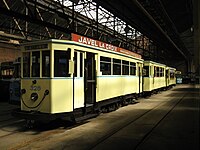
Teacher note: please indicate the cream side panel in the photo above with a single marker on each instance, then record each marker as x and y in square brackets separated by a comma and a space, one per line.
[109, 87]
[159, 82]
[168, 81]
[151, 81]
[56, 46]
[130, 85]
[28, 104]
[147, 85]
[172, 81]
[62, 100]
[79, 93]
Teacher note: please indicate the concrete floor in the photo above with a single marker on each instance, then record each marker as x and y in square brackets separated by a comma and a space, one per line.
[167, 121]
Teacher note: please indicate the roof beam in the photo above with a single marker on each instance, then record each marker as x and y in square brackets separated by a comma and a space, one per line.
[32, 20]
[16, 22]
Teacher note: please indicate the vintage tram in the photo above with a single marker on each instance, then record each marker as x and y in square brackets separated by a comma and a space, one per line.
[14, 86]
[170, 77]
[60, 77]
[154, 77]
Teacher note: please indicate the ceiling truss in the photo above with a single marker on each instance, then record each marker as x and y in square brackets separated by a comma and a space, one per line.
[27, 20]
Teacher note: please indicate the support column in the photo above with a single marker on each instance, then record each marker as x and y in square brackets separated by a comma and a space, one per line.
[196, 20]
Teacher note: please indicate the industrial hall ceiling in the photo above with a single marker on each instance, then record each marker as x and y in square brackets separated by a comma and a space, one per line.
[160, 30]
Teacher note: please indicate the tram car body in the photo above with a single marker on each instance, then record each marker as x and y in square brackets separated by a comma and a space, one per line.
[179, 78]
[170, 77]
[154, 77]
[60, 76]
[14, 90]
[6, 73]
[15, 82]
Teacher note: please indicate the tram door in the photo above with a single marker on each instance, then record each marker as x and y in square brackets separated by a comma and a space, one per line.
[90, 79]
[167, 77]
[140, 77]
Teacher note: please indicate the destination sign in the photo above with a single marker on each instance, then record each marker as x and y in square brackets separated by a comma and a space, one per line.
[34, 47]
[96, 43]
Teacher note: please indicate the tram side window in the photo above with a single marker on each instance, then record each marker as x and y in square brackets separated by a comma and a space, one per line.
[163, 72]
[150, 71]
[36, 64]
[26, 64]
[61, 63]
[172, 74]
[116, 67]
[166, 73]
[125, 67]
[132, 68]
[146, 71]
[105, 65]
[46, 63]
[160, 71]
[157, 71]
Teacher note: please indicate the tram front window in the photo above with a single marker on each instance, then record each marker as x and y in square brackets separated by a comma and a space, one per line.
[46, 64]
[26, 64]
[172, 74]
[36, 64]
[61, 63]
[146, 71]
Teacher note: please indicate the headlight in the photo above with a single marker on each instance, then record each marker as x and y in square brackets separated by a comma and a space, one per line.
[23, 91]
[46, 92]
[34, 96]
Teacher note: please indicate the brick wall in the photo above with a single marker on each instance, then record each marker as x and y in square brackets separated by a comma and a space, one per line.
[9, 52]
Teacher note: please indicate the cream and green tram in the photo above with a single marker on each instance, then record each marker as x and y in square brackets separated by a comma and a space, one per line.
[154, 77]
[60, 77]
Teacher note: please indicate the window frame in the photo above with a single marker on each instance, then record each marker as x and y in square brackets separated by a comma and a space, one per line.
[125, 67]
[107, 61]
[116, 64]
[63, 61]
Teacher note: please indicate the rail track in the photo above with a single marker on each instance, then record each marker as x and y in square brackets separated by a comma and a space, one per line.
[147, 134]
[93, 134]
